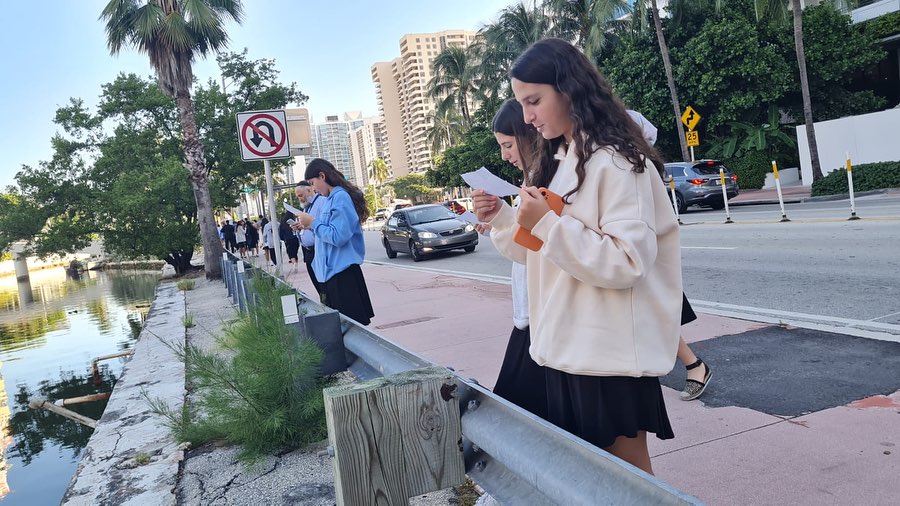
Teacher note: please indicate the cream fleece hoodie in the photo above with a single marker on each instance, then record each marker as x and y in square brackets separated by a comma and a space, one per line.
[604, 292]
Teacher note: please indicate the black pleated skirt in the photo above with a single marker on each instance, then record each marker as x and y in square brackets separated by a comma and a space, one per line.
[599, 409]
[346, 291]
[687, 312]
[521, 380]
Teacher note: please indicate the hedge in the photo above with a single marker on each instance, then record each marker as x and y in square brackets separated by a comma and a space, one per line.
[884, 26]
[751, 169]
[866, 177]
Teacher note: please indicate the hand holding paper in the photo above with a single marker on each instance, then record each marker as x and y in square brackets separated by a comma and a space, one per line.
[292, 209]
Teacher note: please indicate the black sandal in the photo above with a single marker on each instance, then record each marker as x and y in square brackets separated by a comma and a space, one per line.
[694, 388]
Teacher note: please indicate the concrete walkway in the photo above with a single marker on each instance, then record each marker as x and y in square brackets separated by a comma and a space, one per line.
[745, 450]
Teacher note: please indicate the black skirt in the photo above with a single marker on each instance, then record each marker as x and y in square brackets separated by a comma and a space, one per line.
[687, 312]
[599, 409]
[521, 380]
[346, 291]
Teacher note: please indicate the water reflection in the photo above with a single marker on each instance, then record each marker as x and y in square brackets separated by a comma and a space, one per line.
[46, 347]
[34, 429]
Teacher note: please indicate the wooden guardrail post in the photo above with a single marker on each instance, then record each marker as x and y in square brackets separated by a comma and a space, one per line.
[395, 437]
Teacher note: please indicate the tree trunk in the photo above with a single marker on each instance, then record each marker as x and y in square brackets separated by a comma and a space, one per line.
[667, 64]
[195, 162]
[180, 260]
[804, 91]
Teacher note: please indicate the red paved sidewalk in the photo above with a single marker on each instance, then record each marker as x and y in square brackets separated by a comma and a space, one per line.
[730, 455]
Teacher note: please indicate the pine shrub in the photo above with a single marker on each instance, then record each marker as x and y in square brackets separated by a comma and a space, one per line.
[262, 391]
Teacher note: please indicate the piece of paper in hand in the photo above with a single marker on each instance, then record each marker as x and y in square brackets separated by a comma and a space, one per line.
[482, 179]
[469, 217]
[291, 209]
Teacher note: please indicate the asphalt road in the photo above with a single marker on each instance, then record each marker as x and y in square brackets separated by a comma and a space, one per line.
[818, 264]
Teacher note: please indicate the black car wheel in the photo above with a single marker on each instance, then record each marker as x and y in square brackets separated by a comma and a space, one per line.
[679, 203]
[469, 249]
[417, 255]
[388, 249]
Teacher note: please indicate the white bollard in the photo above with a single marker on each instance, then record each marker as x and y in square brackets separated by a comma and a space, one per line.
[674, 200]
[778, 188]
[853, 215]
[724, 195]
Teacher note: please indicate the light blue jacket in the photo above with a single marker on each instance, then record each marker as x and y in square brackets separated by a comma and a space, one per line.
[339, 238]
[307, 238]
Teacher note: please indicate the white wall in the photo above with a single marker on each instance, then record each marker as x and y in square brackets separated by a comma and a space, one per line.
[874, 10]
[868, 138]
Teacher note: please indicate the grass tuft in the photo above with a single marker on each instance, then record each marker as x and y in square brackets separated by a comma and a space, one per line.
[185, 285]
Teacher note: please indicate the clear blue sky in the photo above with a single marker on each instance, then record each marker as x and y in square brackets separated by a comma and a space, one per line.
[326, 47]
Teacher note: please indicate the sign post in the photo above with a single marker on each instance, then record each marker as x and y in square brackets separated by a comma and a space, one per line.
[263, 136]
[690, 118]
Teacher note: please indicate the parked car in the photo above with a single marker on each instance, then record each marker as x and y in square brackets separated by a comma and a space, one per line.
[423, 229]
[467, 203]
[698, 183]
[454, 206]
[381, 214]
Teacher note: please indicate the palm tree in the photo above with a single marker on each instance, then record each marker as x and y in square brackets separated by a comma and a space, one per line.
[172, 33]
[586, 23]
[447, 128]
[500, 43]
[667, 65]
[380, 173]
[804, 91]
[453, 82]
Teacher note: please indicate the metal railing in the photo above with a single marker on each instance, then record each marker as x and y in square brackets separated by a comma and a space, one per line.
[514, 455]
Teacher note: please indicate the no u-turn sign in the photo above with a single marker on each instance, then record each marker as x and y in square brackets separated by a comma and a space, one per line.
[263, 135]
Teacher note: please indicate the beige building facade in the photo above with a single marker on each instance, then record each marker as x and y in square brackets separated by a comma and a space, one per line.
[403, 99]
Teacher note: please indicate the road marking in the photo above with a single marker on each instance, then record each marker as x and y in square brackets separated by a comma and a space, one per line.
[708, 247]
[503, 280]
[858, 328]
[885, 316]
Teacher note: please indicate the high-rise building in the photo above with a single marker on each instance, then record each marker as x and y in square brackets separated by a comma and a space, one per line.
[331, 141]
[366, 144]
[403, 99]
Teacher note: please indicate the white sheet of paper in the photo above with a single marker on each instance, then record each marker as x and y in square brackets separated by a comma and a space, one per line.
[483, 179]
[469, 217]
[292, 209]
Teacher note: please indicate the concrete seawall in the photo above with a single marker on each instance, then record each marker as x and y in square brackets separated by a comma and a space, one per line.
[131, 458]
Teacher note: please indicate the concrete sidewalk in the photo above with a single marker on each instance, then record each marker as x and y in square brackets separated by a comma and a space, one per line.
[791, 416]
[791, 195]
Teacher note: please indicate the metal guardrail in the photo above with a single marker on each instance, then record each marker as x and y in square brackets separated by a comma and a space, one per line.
[514, 455]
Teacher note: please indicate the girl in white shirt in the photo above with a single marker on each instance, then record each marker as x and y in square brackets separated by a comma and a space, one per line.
[603, 288]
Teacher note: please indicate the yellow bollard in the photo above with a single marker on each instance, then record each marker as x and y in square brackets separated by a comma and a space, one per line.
[853, 215]
[778, 187]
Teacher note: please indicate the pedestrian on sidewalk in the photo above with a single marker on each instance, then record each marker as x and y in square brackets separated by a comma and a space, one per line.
[340, 248]
[313, 203]
[269, 242]
[601, 287]
[697, 377]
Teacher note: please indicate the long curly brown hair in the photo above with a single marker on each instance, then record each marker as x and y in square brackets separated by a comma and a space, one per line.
[334, 177]
[598, 116]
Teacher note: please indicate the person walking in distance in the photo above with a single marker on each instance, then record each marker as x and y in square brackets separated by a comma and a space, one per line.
[602, 284]
[340, 248]
[312, 203]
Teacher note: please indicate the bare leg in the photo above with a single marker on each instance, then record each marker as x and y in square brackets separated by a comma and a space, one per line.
[687, 357]
[633, 450]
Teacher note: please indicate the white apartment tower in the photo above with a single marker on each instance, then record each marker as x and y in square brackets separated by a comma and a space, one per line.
[366, 144]
[403, 99]
[331, 141]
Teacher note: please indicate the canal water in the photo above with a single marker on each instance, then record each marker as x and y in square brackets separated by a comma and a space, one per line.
[50, 330]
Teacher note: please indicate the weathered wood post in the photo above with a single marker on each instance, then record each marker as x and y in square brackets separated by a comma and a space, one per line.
[395, 437]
